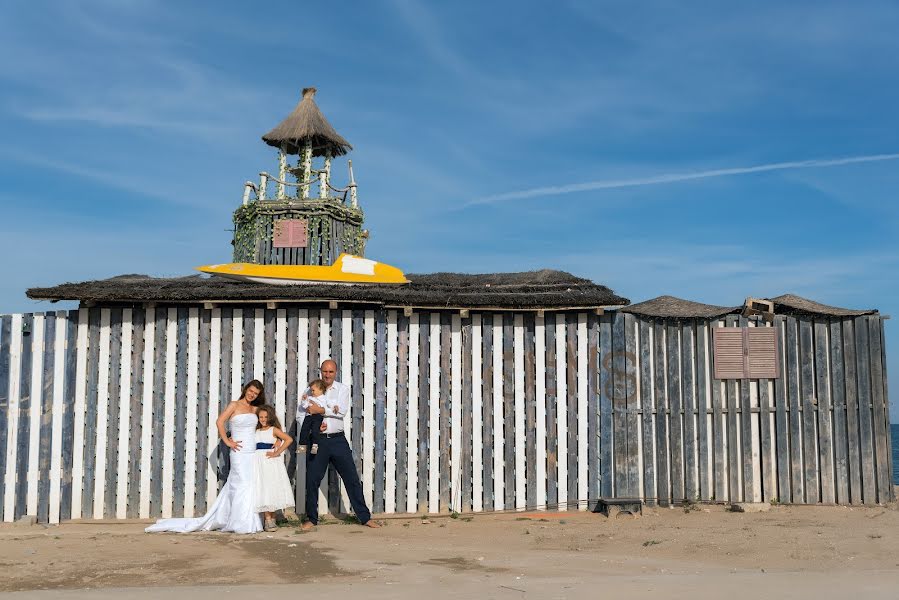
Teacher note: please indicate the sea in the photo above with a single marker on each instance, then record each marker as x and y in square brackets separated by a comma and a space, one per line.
[894, 435]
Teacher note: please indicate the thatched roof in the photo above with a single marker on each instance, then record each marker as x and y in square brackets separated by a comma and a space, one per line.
[304, 123]
[793, 304]
[672, 307]
[536, 290]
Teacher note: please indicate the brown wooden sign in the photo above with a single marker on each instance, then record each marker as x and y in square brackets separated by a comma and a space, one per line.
[289, 233]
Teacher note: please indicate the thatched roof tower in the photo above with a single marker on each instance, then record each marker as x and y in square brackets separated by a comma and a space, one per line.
[307, 125]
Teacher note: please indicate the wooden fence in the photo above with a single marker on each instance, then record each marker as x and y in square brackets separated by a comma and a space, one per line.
[109, 412]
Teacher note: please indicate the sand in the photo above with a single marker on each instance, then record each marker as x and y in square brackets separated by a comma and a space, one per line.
[706, 551]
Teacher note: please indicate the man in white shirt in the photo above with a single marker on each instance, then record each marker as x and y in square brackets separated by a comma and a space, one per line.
[333, 447]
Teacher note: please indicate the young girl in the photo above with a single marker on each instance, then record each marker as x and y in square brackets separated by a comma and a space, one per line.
[273, 491]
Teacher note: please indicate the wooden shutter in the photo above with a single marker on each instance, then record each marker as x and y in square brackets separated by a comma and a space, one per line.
[728, 352]
[761, 361]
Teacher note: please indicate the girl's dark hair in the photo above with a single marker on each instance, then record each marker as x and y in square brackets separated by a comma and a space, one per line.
[260, 399]
[272, 416]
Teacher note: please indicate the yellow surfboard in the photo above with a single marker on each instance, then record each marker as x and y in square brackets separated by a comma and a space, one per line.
[347, 269]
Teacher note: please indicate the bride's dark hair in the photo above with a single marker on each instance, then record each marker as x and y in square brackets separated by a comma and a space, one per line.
[260, 399]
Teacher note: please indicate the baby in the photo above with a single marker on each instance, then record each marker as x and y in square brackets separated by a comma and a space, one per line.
[313, 424]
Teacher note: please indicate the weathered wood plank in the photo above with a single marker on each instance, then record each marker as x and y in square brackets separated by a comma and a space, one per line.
[853, 426]
[146, 410]
[809, 410]
[838, 389]
[562, 407]
[628, 376]
[880, 410]
[866, 439]
[68, 421]
[766, 435]
[781, 421]
[492, 413]
[703, 408]
[114, 405]
[745, 425]
[825, 417]
[226, 394]
[607, 418]
[292, 391]
[646, 406]
[23, 421]
[582, 402]
[369, 400]
[795, 404]
[334, 319]
[530, 409]
[390, 422]
[380, 409]
[180, 414]
[594, 457]
[5, 403]
[446, 411]
[192, 420]
[675, 413]
[249, 346]
[424, 395]
[507, 344]
[455, 410]
[571, 365]
[414, 412]
[891, 489]
[437, 373]
[357, 389]
[661, 400]
[734, 470]
[688, 387]
[551, 427]
[402, 410]
[135, 424]
[204, 416]
[477, 411]
[467, 423]
[90, 417]
[58, 423]
[45, 422]
[158, 433]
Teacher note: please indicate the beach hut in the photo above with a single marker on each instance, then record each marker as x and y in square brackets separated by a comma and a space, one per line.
[471, 393]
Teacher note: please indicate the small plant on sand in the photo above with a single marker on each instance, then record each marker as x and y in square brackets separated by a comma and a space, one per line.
[454, 515]
[651, 543]
[350, 520]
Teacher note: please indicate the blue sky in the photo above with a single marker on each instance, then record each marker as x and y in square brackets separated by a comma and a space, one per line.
[618, 141]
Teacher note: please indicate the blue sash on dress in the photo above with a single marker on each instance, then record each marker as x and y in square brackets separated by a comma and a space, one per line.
[264, 446]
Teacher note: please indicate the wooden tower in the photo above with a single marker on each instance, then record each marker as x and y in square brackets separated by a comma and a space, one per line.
[291, 226]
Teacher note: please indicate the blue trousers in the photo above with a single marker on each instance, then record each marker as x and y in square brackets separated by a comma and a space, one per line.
[334, 451]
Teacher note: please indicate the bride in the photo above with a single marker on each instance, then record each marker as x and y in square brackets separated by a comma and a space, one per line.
[235, 508]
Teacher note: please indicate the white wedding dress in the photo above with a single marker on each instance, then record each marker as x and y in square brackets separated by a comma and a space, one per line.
[235, 508]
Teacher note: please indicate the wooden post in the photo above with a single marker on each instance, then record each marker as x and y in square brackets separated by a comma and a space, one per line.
[282, 173]
[354, 200]
[306, 162]
[324, 176]
[247, 188]
[263, 182]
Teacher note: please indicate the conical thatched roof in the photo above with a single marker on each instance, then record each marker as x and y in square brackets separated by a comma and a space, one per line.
[304, 123]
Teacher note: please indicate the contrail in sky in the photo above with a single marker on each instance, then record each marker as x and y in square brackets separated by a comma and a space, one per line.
[612, 184]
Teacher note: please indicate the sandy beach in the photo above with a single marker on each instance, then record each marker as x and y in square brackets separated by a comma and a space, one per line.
[697, 552]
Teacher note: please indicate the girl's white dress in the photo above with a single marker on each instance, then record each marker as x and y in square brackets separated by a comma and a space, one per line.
[235, 507]
[273, 490]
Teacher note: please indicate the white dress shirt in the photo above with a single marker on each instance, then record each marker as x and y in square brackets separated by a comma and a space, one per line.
[335, 401]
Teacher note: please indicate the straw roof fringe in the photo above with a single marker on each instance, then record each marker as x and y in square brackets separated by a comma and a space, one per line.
[793, 304]
[672, 307]
[537, 290]
[307, 122]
